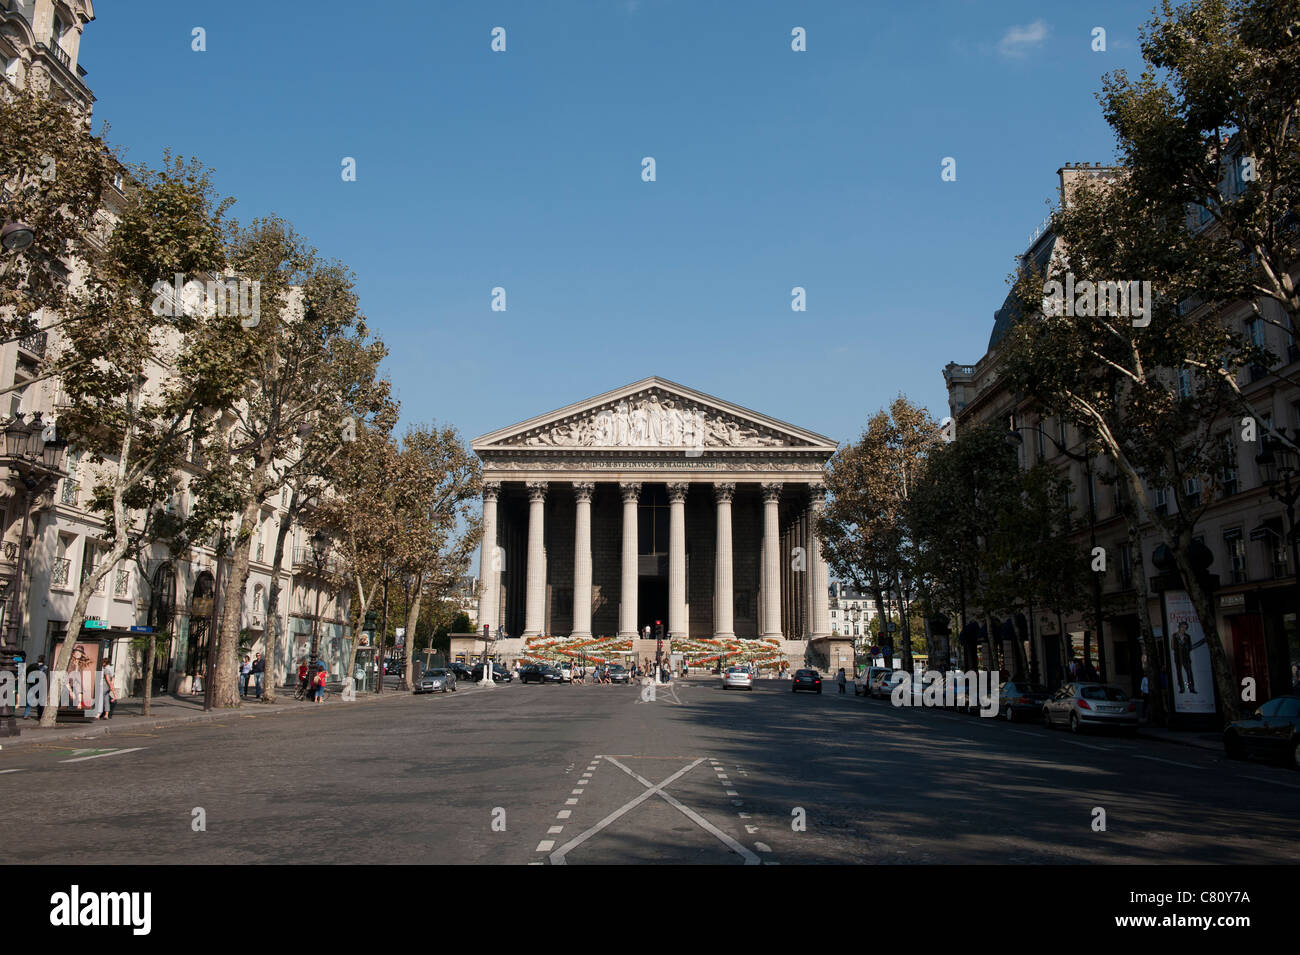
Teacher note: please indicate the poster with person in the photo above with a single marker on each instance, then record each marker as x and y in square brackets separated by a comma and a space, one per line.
[1191, 674]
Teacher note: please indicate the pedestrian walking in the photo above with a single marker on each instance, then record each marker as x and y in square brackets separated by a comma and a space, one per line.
[108, 691]
[302, 676]
[259, 670]
[245, 670]
[1146, 695]
[840, 680]
[320, 683]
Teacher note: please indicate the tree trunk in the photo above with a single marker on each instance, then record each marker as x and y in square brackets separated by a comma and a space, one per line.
[273, 602]
[149, 648]
[364, 600]
[412, 618]
[225, 681]
[1149, 649]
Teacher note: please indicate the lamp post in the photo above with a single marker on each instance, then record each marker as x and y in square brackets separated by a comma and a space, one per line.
[320, 548]
[1015, 439]
[37, 462]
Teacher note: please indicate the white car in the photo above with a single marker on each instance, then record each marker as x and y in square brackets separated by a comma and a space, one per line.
[566, 672]
[738, 677]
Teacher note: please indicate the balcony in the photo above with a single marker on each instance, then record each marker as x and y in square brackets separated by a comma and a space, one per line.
[304, 559]
[69, 493]
[60, 54]
[34, 343]
[59, 572]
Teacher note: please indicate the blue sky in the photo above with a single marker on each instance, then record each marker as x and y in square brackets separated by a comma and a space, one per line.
[522, 169]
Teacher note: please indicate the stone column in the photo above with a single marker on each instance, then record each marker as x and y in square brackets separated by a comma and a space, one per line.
[723, 596]
[582, 561]
[627, 622]
[819, 609]
[489, 560]
[677, 622]
[771, 560]
[535, 608]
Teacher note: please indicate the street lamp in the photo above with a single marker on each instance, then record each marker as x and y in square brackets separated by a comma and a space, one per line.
[37, 463]
[17, 236]
[1015, 439]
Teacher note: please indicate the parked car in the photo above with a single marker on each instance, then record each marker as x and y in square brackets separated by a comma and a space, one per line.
[806, 680]
[460, 671]
[566, 671]
[1019, 698]
[499, 673]
[1272, 731]
[540, 673]
[881, 683]
[862, 685]
[618, 673]
[738, 677]
[436, 680]
[1080, 705]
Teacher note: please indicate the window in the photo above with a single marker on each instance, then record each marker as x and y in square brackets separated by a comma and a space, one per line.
[1161, 500]
[1184, 382]
[1040, 441]
[1235, 545]
[1228, 473]
[1192, 491]
[1125, 566]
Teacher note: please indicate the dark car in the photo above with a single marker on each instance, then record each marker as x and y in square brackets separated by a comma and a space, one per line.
[499, 673]
[617, 673]
[1019, 698]
[806, 680]
[539, 673]
[436, 680]
[1272, 731]
[460, 671]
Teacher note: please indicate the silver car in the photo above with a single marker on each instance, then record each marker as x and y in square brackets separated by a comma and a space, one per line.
[1083, 705]
[436, 681]
[737, 677]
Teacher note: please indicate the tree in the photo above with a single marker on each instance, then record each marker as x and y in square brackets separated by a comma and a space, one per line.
[137, 427]
[53, 174]
[310, 376]
[438, 478]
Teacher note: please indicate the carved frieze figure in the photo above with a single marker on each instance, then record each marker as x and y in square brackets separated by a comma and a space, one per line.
[621, 425]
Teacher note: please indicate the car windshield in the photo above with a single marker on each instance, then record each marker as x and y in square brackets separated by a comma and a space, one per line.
[430, 674]
[616, 668]
[806, 673]
[1112, 694]
[1026, 688]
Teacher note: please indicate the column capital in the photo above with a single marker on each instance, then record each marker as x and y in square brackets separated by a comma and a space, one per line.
[537, 490]
[772, 492]
[583, 490]
[677, 492]
[491, 490]
[817, 493]
[724, 491]
[631, 491]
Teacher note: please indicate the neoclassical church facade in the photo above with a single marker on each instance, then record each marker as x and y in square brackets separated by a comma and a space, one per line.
[654, 504]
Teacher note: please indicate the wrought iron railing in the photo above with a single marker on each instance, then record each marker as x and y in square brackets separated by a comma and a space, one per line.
[69, 495]
[60, 571]
[60, 54]
[122, 583]
[35, 343]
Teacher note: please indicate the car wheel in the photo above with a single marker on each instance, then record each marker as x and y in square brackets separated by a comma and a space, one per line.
[1047, 717]
[793, 690]
[1074, 722]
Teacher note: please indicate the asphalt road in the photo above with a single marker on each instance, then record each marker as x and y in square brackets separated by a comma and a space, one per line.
[583, 774]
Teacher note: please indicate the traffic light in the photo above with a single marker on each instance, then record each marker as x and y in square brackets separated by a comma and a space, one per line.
[659, 629]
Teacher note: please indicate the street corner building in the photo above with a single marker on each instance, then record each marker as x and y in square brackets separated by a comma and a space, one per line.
[656, 505]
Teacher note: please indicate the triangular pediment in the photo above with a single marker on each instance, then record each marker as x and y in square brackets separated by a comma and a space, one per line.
[653, 414]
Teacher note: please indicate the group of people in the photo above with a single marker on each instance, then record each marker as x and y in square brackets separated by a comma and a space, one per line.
[254, 671]
[312, 682]
[83, 690]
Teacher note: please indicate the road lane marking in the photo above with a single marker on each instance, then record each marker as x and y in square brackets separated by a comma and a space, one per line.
[1157, 759]
[557, 857]
[564, 814]
[546, 845]
[576, 792]
[571, 802]
[554, 830]
[1024, 732]
[116, 752]
[3, 771]
[1104, 749]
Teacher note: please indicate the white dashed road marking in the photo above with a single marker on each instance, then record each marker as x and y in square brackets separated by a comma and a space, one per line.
[1157, 759]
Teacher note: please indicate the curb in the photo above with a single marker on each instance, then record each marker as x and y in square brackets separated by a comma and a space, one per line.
[133, 724]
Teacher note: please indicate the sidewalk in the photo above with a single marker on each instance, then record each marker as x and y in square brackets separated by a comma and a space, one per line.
[128, 716]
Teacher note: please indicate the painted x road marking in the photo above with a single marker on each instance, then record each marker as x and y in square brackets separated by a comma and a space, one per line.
[557, 857]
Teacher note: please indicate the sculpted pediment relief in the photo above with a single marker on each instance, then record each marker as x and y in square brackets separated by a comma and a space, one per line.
[652, 414]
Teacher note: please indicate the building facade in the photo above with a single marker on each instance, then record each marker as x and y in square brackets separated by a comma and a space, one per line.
[651, 506]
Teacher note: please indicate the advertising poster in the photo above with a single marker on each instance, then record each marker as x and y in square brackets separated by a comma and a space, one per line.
[1191, 677]
[78, 689]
